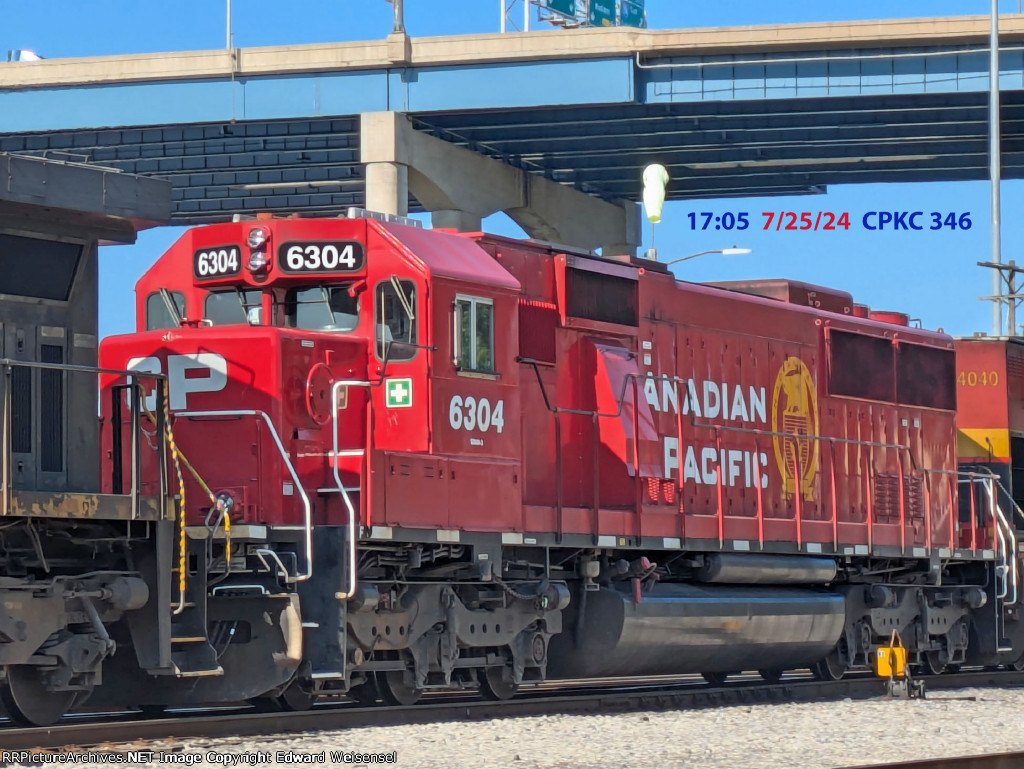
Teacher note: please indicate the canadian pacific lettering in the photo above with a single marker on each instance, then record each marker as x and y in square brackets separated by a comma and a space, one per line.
[709, 400]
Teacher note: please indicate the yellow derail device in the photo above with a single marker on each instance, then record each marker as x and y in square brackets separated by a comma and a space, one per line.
[890, 663]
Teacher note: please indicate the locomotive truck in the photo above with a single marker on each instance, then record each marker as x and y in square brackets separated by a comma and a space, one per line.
[409, 461]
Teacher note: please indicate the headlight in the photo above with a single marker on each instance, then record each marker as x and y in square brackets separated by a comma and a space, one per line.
[257, 237]
[257, 261]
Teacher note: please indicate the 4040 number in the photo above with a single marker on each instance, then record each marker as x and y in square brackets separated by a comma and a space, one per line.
[978, 379]
[469, 413]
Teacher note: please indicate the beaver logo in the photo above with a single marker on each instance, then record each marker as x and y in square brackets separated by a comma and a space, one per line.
[795, 413]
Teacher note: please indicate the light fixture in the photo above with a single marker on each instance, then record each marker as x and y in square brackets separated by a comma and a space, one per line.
[655, 181]
[257, 237]
[734, 251]
[258, 261]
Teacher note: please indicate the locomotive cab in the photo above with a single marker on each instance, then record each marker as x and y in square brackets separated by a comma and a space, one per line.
[265, 318]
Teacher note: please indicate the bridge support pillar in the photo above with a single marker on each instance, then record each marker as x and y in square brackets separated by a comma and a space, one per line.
[456, 220]
[461, 187]
[387, 188]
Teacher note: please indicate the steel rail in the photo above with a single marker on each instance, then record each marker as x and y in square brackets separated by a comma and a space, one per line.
[988, 761]
[572, 699]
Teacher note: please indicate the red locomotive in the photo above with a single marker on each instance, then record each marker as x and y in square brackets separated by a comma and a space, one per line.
[419, 459]
[404, 461]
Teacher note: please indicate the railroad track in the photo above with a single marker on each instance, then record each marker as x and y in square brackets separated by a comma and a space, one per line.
[107, 731]
[991, 761]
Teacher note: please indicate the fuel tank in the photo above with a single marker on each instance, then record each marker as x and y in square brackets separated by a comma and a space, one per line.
[681, 628]
[740, 568]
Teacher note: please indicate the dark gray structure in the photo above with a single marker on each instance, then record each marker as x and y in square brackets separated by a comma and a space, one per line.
[61, 578]
[53, 216]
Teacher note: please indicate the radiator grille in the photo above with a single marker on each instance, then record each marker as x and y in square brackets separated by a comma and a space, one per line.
[596, 296]
[21, 410]
[1014, 363]
[51, 411]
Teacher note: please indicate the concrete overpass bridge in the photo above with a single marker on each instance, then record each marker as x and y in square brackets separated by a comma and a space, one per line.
[548, 126]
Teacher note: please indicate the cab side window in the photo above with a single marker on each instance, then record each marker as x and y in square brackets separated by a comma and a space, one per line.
[395, 319]
[157, 316]
[474, 334]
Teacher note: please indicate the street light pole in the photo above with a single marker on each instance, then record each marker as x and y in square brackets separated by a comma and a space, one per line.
[228, 46]
[399, 26]
[994, 168]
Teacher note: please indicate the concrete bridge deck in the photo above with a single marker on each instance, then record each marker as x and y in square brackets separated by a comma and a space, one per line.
[731, 111]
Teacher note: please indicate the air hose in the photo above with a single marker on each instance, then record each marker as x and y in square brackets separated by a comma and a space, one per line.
[178, 458]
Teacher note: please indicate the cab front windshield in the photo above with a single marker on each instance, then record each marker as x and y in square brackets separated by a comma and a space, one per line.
[322, 308]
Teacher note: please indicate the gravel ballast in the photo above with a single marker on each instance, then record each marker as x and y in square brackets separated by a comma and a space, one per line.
[806, 735]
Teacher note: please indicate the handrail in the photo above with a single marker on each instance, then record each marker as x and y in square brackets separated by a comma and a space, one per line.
[638, 492]
[760, 493]
[720, 488]
[134, 377]
[928, 511]
[352, 534]
[75, 368]
[835, 494]
[1011, 561]
[903, 506]
[798, 494]
[1003, 529]
[308, 511]
[914, 467]
[998, 540]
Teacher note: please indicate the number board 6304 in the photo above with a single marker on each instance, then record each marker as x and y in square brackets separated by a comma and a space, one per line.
[216, 262]
[321, 256]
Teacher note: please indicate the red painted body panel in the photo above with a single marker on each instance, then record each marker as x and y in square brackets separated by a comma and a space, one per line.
[989, 398]
[709, 417]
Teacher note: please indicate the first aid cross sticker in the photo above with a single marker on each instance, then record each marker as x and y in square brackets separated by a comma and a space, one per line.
[399, 393]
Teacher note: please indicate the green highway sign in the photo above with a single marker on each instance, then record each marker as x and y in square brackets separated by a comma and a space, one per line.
[399, 393]
[564, 7]
[631, 13]
[602, 13]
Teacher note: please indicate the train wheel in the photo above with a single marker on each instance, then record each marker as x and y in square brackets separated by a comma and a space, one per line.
[266, 704]
[715, 679]
[829, 669]
[296, 698]
[153, 711]
[1018, 665]
[27, 700]
[493, 686]
[395, 691]
[365, 693]
[933, 664]
[771, 676]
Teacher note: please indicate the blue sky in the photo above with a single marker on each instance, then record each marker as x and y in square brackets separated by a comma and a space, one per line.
[931, 275]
